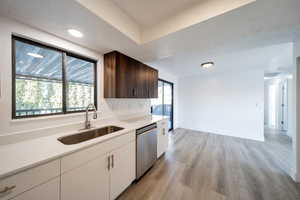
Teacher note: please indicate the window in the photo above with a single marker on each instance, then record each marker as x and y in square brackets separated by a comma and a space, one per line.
[49, 81]
[163, 105]
[80, 80]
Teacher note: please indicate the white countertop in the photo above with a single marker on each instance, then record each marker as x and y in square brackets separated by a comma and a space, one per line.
[29, 153]
[142, 121]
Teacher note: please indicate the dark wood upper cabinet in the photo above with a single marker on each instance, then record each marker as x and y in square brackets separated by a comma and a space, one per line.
[125, 77]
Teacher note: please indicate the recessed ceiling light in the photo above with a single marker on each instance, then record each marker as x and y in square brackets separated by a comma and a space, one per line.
[207, 64]
[75, 33]
[35, 55]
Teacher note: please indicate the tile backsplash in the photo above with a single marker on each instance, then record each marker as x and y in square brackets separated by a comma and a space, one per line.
[121, 107]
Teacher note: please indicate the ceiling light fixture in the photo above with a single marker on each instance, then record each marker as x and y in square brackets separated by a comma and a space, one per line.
[35, 55]
[75, 33]
[207, 64]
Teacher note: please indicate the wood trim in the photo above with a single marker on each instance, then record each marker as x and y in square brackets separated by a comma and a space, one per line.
[110, 78]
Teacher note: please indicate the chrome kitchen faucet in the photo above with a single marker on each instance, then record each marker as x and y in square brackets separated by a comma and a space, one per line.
[87, 121]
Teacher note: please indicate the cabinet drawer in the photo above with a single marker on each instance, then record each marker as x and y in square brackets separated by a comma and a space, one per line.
[46, 191]
[28, 179]
[76, 159]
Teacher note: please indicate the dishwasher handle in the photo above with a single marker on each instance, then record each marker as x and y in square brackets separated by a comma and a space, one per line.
[146, 129]
[151, 130]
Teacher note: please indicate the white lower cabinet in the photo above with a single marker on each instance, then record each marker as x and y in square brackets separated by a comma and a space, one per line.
[162, 138]
[40, 182]
[88, 181]
[123, 171]
[46, 191]
[100, 172]
[103, 178]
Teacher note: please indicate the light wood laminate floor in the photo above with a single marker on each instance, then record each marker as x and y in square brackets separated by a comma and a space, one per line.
[204, 166]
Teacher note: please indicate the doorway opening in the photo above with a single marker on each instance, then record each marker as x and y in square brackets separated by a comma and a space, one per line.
[276, 104]
[164, 104]
[276, 122]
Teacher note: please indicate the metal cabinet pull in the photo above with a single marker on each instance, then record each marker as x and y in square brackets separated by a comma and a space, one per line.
[164, 131]
[7, 189]
[112, 163]
[108, 163]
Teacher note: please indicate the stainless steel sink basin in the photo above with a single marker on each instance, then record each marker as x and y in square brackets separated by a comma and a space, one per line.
[88, 135]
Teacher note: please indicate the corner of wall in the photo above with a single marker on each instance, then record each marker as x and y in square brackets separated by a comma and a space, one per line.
[295, 175]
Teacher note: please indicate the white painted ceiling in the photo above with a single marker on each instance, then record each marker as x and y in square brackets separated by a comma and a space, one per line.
[255, 26]
[144, 21]
[271, 59]
[147, 13]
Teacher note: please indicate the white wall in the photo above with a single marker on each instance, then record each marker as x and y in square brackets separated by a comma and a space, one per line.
[266, 102]
[230, 103]
[294, 110]
[291, 107]
[107, 108]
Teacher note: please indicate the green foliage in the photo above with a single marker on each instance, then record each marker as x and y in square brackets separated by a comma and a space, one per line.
[79, 95]
[33, 94]
[44, 96]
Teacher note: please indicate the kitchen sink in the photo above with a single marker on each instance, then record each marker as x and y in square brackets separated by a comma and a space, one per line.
[88, 135]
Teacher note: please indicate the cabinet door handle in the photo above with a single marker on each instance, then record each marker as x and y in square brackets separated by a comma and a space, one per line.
[163, 131]
[7, 189]
[113, 161]
[108, 163]
[134, 93]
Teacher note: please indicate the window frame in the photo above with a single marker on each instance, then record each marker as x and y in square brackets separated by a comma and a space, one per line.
[163, 103]
[64, 53]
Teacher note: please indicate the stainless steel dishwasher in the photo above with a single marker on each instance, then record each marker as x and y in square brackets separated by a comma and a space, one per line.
[146, 148]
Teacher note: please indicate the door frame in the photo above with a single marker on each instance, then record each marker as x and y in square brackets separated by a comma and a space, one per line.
[172, 112]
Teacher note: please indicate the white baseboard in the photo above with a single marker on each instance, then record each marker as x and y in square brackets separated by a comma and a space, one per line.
[228, 133]
[295, 176]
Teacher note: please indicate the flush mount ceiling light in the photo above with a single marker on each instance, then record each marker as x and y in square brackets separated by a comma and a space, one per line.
[35, 55]
[207, 64]
[75, 33]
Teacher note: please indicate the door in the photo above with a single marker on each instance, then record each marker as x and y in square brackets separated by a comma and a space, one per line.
[284, 108]
[152, 79]
[122, 171]
[276, 104]
[89, 181]
[142, 80]
[164, 104]
[46, 191]
[126, 77]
